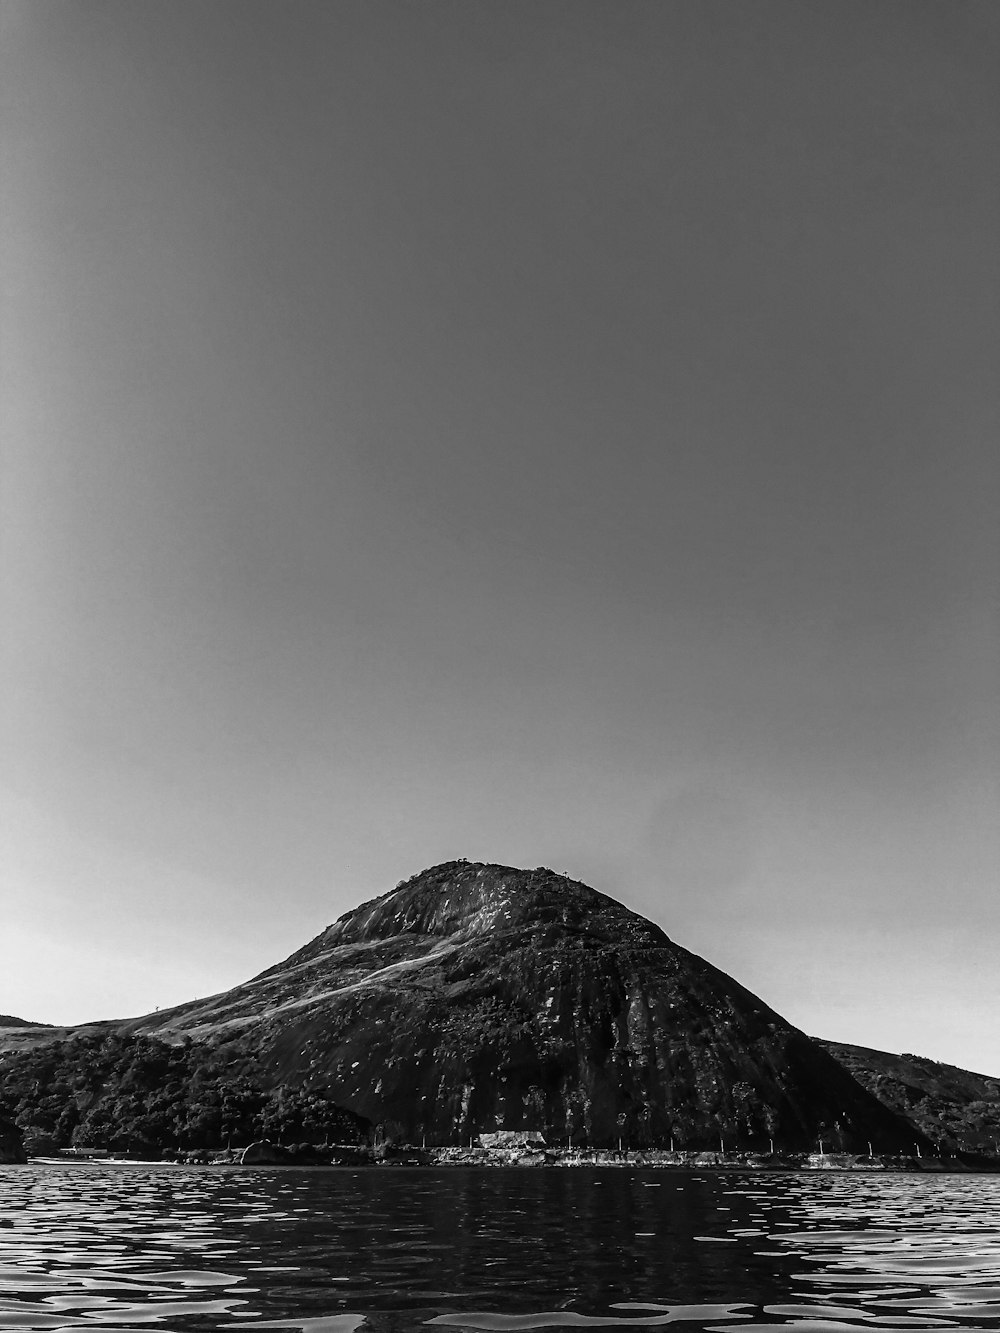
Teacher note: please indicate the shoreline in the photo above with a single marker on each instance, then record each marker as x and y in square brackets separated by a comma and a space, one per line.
[491, 1159]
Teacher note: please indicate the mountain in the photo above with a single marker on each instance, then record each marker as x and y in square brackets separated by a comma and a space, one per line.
[9, 1021]
[952, 1106]
[474, 996]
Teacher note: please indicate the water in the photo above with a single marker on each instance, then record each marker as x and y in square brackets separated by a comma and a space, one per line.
[391, 1250]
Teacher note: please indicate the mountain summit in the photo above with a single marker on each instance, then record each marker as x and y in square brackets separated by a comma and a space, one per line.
[475, 997]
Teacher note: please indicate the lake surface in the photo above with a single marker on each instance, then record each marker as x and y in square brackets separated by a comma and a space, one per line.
[386, 1250]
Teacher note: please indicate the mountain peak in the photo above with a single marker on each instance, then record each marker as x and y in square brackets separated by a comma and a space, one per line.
[470, 898]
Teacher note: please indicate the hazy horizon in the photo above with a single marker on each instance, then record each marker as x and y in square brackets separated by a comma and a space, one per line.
[552, 433]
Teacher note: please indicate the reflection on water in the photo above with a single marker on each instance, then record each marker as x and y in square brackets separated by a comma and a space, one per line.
[391, 1251]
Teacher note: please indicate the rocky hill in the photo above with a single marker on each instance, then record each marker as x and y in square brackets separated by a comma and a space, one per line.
[474, 997]
[954, 1107]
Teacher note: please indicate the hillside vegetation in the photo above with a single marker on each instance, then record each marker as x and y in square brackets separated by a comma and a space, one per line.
[136, 1094]
[954, 1107]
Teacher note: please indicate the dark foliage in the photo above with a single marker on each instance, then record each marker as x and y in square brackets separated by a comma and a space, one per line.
[133, 1093]
[955, 1108]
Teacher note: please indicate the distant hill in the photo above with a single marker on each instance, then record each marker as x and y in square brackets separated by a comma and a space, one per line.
[952, 1106]
[474, 996]
[471, 997]
[9, 1021]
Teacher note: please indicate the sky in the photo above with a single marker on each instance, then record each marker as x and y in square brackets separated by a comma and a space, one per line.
[553, 433]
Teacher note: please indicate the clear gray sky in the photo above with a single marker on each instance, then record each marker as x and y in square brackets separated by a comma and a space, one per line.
[552, 433]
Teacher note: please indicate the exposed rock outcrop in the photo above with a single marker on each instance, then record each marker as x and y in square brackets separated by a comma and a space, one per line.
[513, 1139]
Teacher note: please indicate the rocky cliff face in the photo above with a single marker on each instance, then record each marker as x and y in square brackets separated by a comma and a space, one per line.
[479, 997]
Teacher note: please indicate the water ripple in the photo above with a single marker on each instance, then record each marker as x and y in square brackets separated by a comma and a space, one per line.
[494, 1252]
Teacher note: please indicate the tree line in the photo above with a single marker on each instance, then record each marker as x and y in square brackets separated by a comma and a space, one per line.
[133, 1093]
